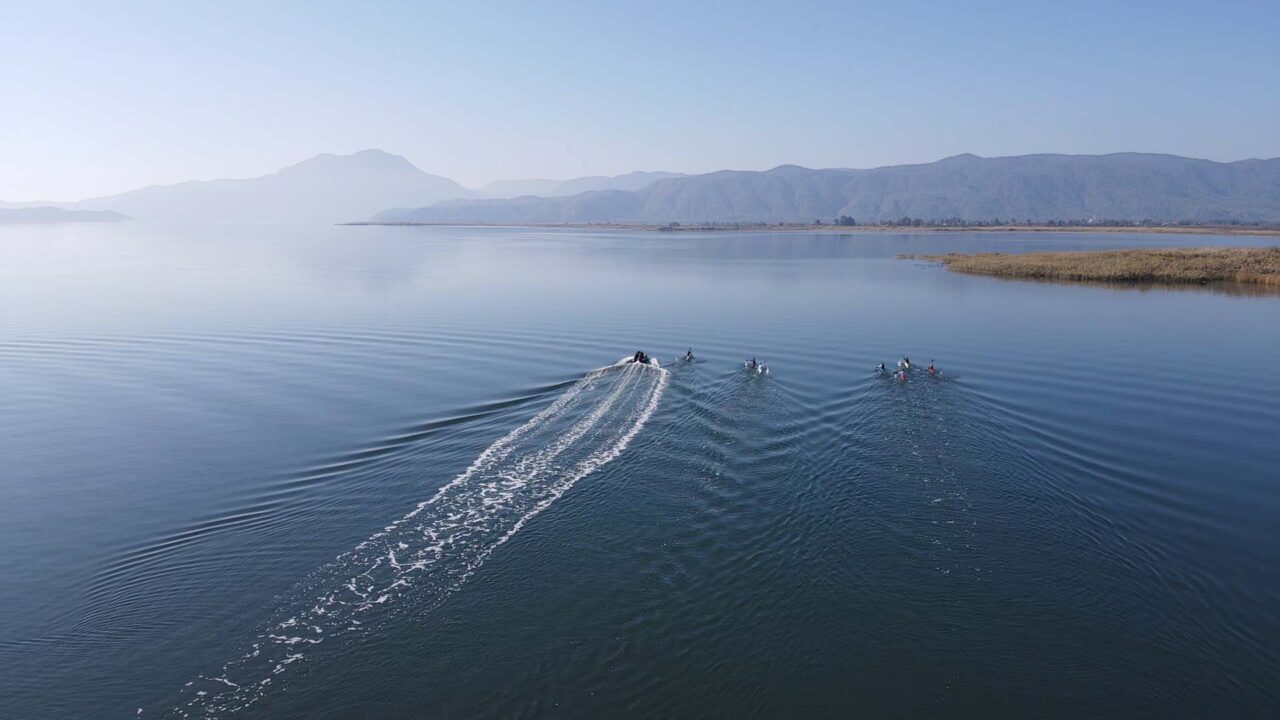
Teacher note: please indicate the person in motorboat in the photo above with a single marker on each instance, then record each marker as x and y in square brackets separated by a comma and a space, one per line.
[932, 370]
[905, 363]
[640, 357]
[880, 369]
[688, 356]
[902, 375]
[752, 364]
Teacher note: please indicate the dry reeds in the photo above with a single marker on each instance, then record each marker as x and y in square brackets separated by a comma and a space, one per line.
[1166, 265]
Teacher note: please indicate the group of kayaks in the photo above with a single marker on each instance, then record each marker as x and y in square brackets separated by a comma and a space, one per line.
[643, 358]
[904, 370]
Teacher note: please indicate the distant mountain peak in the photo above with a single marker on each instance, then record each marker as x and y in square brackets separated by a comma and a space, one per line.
[371, 159]
[383, 158]
[323, 188]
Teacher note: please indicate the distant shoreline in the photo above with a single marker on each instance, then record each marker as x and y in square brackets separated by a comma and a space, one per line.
[838, 229]
[49, 215]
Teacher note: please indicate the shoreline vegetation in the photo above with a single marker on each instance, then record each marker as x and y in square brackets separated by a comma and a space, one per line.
[1164, 266]
[1174, 229]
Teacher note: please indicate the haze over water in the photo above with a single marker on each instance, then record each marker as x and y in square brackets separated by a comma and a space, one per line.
[338, 472]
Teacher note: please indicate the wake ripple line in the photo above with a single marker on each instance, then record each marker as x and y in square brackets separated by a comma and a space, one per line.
[413, 564]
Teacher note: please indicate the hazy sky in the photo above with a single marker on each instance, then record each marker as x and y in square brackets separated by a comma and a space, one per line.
[97, 98]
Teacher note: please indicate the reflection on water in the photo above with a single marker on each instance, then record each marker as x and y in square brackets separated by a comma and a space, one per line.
[211, 433]
[1232, 289]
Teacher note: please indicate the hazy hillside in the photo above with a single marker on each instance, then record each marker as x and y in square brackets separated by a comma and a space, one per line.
[519, 188]
[1037, 187]
[560, 188]
[326, 188]
[14, 215]
[630, 181]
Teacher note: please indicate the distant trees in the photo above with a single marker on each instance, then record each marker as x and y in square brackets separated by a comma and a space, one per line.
[907, 221]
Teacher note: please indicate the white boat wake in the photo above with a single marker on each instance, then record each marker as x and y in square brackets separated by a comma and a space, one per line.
[414, 563]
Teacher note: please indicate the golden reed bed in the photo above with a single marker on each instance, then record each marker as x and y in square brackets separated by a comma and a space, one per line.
[1165, 265]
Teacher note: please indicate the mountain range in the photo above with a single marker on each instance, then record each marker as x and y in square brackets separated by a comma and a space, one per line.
[326, 188]
[388, 188]
[1124, 186]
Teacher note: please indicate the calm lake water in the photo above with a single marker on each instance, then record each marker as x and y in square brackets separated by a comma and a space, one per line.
[358, 472]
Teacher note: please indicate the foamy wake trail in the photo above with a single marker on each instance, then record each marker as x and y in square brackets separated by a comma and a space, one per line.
[416, 562]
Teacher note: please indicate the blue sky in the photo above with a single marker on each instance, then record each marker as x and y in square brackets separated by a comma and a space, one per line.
[105, 97]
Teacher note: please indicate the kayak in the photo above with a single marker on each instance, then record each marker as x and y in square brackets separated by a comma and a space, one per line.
[630, 360]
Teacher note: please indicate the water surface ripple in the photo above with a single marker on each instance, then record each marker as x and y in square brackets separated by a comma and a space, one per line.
[363, 472]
